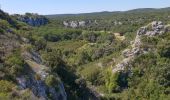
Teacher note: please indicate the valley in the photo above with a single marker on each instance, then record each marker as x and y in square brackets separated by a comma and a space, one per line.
[90, 56]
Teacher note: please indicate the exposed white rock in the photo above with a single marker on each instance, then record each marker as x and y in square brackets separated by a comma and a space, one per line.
[82, 23]
[121, 66]
[117, 23]
[65, 23]
[37, 73]
[157, 28]
[76, 24]
[32, 19]
[126, 52]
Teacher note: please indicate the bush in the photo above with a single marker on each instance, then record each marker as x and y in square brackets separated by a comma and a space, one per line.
[16, 63]
[40, 44]
[92, 74]
[52, 81]
[14, 59]
[16, 70]
[111, 81]
[5, 86]
[90, 36]
[4, 24]
[53, 59]
[164, 50]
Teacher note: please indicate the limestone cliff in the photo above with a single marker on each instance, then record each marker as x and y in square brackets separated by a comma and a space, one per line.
[153, 29]
[35, 79]
[77, 24]
[32, 19]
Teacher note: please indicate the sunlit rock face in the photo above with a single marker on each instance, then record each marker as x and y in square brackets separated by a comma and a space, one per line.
[153, 29]
[76, 24]
[32, 19]
[35, 78]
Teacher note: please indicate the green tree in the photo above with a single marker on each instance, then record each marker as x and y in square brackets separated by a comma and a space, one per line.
[111, 81]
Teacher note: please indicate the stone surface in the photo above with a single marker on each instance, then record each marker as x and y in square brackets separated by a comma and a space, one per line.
[32, 19]
[76, 24]
[157, 28]
[36, 75]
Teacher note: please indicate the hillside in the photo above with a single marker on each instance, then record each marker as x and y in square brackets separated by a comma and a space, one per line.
[20, 75]
[106, 13]
[93, 56]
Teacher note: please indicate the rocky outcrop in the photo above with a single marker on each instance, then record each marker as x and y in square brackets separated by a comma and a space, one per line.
[117, 23]
[153, 29]
[32, 78]
[156, 28]
[76, 24]
[35, 79]
[32, 19]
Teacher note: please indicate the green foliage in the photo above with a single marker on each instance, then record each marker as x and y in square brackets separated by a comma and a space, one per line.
[76, 54]
[6, 88]
[52, 81]
[4, 24]
[83, 58]
[144, 84]
[93, 74]
[16, 63]
[111, 81]
[53, 59]
[40, 44]
[164, 49]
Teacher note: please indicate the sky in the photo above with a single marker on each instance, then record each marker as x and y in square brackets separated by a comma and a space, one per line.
[46, 7]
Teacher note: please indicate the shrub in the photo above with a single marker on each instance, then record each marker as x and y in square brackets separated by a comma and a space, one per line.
[111, 81]
[92, 74]
[5, 86]
[4, 24]
[16, 70]
[51, 81]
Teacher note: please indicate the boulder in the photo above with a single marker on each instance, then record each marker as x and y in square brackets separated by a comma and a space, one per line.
[142, 31]
[126, 53]
[158, 28]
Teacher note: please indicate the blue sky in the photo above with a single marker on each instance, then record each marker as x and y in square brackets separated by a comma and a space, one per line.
[77, 6]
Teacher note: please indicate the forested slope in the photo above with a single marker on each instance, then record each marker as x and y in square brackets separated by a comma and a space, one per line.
[94, 56]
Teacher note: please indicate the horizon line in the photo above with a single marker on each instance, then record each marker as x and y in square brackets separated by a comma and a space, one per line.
[89, 12]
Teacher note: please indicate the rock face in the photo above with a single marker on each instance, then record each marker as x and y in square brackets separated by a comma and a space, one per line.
[76, 24]
[153, 29]
[157, 28]
[32, 19]
[117, 23]
[36, 77]
[35, 73]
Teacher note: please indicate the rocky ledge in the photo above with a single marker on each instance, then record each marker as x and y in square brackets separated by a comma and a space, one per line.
[153, 29]
[35, 78]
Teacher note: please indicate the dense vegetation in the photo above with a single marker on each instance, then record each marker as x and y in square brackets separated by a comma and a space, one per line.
[83, 57]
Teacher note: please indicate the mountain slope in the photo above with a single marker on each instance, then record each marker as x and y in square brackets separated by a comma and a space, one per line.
[99, 56]
[16, 68]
